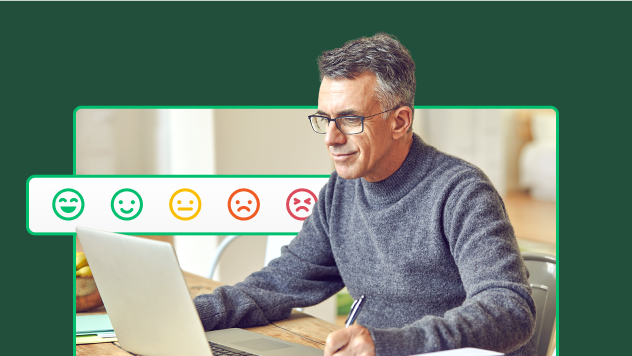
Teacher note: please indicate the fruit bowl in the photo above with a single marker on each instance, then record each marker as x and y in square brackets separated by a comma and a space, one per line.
[88, 296]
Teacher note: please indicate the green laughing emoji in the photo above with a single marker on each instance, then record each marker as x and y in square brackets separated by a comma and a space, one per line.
[68, 204]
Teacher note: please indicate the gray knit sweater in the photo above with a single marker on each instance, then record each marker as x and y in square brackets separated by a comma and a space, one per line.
[431, 248]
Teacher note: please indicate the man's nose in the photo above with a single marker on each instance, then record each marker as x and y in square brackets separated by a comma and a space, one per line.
[333, 136]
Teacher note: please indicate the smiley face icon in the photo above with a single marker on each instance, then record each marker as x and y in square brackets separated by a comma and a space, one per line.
[243, 204]
[126, 204]
[300, 203]
[68, 204]
[185, 204]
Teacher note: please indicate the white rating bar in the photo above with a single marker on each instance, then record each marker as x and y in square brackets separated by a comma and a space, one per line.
[214, 205]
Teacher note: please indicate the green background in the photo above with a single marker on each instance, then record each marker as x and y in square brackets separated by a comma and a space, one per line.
[574, 56]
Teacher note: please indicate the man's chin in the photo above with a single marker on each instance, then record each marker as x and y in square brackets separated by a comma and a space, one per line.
[346, 172]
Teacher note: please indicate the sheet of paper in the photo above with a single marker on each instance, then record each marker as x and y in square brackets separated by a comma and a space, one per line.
[86, 333]
[468, 351]
[100, 333]
[93, 339]
[107, 335]
[93, 324]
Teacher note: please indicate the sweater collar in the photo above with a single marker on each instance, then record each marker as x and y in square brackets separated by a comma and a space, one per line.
[400, 183]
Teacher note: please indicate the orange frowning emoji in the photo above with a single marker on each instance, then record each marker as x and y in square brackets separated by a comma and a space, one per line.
[243, 204]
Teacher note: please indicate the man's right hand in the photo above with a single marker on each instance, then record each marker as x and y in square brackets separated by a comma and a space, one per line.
[355, 340]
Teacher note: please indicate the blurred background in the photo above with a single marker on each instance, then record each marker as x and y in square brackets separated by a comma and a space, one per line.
[515, 148]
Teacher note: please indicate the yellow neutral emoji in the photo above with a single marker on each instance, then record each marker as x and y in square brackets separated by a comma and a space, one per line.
[185, 204]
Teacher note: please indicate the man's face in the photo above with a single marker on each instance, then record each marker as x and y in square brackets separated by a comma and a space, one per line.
[358, 155]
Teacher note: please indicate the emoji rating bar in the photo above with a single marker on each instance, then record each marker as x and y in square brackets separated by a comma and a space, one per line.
[171, 204]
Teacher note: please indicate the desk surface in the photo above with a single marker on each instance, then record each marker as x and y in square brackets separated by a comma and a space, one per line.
[299, 327]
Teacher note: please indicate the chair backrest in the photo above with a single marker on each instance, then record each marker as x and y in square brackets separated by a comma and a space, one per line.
[542, 276]
[273, 248]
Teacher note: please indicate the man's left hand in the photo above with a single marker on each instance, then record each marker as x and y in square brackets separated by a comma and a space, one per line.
[355, 340]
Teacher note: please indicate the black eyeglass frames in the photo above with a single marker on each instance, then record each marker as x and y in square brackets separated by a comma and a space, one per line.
[348, 125]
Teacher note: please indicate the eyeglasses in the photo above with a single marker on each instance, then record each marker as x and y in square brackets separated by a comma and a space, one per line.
[348, 125]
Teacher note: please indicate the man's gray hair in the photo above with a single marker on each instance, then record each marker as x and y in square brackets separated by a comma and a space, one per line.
[382, 55]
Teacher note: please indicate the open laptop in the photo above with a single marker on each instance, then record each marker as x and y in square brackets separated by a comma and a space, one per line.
[150, 307]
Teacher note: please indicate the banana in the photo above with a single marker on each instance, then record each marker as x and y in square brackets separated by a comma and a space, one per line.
[80, 260]
[84, 272]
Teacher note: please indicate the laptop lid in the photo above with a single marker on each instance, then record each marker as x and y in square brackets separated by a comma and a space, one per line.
[145, 294]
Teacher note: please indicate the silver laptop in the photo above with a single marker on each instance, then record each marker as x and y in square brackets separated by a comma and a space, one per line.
[150, 307]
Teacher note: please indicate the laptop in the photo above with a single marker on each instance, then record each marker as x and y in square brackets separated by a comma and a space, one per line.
[150, 307]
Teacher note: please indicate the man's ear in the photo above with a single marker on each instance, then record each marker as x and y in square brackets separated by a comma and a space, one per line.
[402, 122]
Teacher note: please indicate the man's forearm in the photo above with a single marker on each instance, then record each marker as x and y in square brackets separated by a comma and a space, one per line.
[500, 320]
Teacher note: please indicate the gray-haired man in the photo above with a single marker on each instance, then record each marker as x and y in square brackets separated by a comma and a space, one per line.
[422, 235]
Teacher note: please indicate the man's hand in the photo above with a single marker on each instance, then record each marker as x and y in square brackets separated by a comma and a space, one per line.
[355, 340]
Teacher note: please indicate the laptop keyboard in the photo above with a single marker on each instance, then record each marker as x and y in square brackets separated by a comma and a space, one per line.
[218, 349]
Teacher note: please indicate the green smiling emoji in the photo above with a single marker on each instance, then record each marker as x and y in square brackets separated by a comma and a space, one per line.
[126, 204]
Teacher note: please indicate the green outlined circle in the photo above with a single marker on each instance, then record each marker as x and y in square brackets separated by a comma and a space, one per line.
[71, 217]
[138, 211]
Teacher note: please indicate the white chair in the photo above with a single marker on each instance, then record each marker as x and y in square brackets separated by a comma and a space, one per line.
[538, 159]
[273, 249]
[218, 253]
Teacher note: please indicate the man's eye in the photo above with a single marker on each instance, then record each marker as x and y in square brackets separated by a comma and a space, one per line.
[352, 121]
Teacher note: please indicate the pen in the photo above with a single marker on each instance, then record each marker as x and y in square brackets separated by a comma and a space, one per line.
[355, 311]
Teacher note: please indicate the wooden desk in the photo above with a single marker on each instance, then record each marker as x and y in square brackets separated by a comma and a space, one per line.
[299, 328]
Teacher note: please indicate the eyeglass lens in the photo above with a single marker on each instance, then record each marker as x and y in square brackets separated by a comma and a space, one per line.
[348, 125]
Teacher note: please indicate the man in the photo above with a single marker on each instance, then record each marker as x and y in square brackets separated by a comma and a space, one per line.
[424, 236]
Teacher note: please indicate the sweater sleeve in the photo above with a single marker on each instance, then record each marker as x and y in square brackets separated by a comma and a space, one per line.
[304, 275]
[498, 312]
